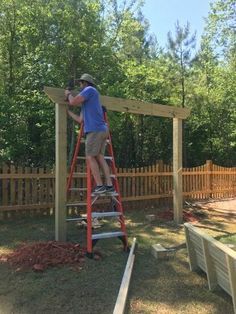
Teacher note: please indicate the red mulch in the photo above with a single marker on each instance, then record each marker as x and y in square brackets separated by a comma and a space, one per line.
[41, 255]
[169, 215]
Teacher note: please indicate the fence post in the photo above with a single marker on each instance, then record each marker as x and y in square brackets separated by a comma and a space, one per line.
[209, 167]
[5, 170]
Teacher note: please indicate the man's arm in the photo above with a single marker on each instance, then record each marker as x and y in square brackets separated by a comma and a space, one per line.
[75, 117]
[73, 101]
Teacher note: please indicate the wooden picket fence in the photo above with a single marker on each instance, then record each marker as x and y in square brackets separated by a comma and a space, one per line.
[29, 190]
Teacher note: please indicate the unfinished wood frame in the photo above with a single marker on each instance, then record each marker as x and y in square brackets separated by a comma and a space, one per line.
[124, 287]
[120, 105]
[216, 259]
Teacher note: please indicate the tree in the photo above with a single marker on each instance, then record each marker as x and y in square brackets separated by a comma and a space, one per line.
[180, 52]
[221, 26]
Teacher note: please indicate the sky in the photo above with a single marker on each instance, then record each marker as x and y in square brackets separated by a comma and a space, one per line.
[163, 15]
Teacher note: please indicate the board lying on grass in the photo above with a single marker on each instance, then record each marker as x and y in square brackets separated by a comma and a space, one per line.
[216, 259]
[123, 292]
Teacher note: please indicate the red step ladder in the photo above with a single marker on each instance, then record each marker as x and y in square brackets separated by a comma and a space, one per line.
[116, 210]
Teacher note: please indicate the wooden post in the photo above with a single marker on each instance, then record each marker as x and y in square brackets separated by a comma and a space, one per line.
[61, 173]
[177, 171]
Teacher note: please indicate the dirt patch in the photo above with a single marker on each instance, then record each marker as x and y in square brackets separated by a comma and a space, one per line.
[225, 205]
[216, 215]
[41, 255]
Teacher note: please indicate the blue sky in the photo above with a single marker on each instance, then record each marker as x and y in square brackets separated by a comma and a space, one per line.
[163, 15]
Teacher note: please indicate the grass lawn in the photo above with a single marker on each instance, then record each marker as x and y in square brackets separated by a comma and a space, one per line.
[156, 286]
[229, 240]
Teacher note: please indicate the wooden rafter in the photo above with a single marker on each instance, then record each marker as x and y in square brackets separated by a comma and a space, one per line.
[126, 105]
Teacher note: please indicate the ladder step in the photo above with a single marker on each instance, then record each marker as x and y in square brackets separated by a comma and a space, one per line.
[75, 219]
[78, 189]
[105, 194]
[105, 214]
[106, 157]
[106, 235]
[79, 174]
[76, 204]
[95, 215]
[84, 174]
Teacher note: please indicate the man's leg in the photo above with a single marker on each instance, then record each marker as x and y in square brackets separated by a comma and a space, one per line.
[95, 169]
[105, 168]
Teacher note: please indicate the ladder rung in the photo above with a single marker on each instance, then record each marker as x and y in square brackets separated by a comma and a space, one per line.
[95, 215]
[75, 219]
[106, 157]
[105, 194]
[78, 189]
[79, 174]
[105, 214]
[107, 235]
[84, 174]
[76, 204]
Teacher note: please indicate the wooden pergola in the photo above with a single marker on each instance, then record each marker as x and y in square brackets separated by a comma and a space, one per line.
[120, 105]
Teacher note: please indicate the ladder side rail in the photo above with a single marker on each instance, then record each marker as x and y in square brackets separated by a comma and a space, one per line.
[89, 210]
[76, 152]
[110, 149]
[119, 205]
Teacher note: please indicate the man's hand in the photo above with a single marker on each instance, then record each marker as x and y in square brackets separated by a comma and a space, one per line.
[67, 94]
[74, 100]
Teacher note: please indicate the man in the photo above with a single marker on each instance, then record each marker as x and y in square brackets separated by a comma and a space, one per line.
[95, 129]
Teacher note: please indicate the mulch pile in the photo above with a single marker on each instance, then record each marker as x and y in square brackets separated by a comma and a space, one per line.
[169, 215]
[41, 255]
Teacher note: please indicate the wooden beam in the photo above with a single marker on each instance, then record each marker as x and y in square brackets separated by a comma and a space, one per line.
[177, 171]
[125, 105]
[123, 292]
[61, 173]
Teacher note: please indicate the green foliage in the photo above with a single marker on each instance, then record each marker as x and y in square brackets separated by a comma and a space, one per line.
[48, 42]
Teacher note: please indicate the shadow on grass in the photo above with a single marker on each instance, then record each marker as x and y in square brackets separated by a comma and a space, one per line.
[156, 286]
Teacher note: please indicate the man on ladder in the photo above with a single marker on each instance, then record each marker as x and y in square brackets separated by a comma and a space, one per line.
[95, 129]
[95, 126]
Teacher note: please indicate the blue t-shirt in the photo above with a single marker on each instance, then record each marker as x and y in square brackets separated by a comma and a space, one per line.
[92, 111]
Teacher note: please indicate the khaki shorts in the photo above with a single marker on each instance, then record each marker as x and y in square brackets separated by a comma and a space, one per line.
[95, 143]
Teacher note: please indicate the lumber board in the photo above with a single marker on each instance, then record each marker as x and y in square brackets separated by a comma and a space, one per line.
[214, 242]
[122, 295]
[231, 263]
[210, 270]
[126, 105]
[218, 260]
